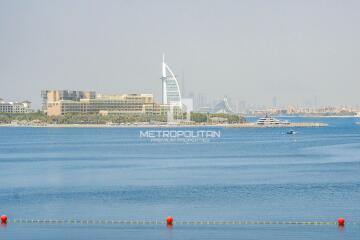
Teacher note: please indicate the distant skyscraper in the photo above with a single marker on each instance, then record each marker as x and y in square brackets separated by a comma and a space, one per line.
[274, 102]
[170, 87]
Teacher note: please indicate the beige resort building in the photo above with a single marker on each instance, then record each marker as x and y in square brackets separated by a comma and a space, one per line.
[61, 102]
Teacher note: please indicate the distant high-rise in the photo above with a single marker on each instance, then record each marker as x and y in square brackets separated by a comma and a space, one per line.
[274, 102]
[170, 87]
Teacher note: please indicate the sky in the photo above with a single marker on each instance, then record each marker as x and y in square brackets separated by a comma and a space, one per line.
[298, 52]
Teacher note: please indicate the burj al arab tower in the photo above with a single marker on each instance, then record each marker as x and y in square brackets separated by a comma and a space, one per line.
[170, 87]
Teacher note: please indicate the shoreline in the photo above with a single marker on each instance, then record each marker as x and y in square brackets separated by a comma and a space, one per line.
[235, 125]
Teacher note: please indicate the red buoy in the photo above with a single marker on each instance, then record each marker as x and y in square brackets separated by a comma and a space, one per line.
[341, 221]
[3, 219]
[169, 220]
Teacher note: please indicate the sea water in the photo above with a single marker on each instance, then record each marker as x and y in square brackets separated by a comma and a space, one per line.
[247, 174]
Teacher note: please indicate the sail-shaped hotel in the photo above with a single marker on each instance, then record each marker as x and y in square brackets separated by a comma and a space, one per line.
[170, 87]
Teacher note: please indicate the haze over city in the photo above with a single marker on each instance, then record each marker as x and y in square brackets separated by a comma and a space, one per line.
[301, 52]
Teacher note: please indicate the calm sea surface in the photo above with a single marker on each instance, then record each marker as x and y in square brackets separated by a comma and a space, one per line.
[246, 174]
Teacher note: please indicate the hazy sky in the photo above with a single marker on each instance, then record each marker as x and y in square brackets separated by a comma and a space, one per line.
[249, 50]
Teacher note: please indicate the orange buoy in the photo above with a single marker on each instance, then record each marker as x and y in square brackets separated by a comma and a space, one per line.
[169, 220]
[3, 219]
[341, 221]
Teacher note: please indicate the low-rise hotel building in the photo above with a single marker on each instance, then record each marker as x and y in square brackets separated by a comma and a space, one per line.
[78, 102]
[15, 107]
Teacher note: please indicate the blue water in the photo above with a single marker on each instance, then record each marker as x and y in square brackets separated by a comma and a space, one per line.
[246, 174]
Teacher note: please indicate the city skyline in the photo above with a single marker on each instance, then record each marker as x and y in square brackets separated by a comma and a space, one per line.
[299, 53]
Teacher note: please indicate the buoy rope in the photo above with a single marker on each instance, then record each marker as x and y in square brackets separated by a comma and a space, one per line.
[136, 222]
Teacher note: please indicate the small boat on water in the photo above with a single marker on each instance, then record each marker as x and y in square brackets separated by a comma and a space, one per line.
[291, 132]
[267, 120]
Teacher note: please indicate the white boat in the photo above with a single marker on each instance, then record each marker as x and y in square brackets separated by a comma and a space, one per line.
[267, 120]
[291, 132]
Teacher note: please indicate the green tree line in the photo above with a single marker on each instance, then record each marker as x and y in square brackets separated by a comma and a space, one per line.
[207, 117]
[39, 117]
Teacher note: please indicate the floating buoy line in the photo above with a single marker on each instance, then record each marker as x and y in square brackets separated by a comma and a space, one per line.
[169, 221]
